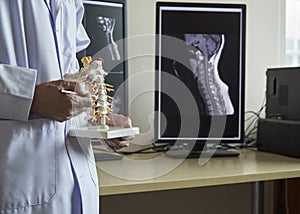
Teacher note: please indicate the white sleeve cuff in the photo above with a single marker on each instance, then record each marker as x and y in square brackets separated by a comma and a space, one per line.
[16, 92]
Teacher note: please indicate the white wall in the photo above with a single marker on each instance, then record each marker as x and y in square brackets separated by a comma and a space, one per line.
[265, 22]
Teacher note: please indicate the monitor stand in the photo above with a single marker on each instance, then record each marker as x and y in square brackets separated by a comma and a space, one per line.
[106, 156]
[198, 152]
[103, 153]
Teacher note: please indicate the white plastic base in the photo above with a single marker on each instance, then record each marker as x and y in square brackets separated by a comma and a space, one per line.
[102, 133]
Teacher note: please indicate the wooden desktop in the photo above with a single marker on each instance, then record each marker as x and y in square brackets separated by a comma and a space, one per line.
[224, 180]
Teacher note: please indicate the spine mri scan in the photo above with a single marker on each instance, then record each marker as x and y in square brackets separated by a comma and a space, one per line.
[204, 59]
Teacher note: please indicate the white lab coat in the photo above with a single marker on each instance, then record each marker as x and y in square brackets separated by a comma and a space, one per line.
[41, 171]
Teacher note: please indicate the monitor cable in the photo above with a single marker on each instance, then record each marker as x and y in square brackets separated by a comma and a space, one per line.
[251, 130]
[147, 150]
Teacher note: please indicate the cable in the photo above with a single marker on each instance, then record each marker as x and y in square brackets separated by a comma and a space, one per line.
[252, 125]
[147, 150]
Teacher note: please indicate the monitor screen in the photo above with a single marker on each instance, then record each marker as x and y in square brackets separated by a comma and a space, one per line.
[200, 68]
[105, 24]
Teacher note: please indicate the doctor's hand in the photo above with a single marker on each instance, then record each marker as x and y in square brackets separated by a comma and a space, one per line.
[51, 102]
[121, 121]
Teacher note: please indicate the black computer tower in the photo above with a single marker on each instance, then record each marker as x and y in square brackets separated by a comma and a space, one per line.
[280, 131]
[279, 136]
[283, 93]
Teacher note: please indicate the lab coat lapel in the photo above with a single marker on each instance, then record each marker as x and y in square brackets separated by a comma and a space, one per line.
[57, 5]
[54, 7]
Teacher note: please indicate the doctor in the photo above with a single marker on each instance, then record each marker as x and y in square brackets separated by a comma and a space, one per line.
[41, 170]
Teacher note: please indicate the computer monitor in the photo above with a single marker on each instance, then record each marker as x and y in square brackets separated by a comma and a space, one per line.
[200, 71]
[105, 23]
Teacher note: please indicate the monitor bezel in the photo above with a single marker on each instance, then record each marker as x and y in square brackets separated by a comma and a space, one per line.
[215, 6]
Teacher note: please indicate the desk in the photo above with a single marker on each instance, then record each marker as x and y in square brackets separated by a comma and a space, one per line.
[250, 166]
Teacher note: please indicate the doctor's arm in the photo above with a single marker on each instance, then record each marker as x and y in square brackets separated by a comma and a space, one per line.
[20, 95]
[52, 102]
[16, 92]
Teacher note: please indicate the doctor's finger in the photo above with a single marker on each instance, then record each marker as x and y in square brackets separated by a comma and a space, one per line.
[116, 144]
[79, 88]
[64, 84]
[55, 116]
[82, 89]
[119, 120]
[81, 101]
[76, 111]
[63, 116]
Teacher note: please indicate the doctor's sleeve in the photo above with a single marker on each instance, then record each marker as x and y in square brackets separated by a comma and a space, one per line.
[17, 87]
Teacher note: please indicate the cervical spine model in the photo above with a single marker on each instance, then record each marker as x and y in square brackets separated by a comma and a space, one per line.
[92, 74]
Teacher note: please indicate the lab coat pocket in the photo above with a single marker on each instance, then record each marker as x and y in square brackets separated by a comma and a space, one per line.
[68, 27]
[82, 157]
[27, 163]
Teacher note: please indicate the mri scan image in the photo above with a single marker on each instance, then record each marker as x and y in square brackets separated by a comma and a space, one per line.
[204, 55]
